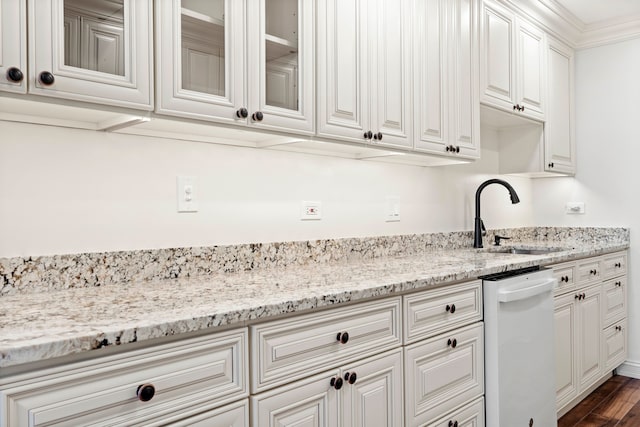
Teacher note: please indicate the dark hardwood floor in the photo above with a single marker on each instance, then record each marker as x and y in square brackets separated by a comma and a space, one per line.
[614, 403]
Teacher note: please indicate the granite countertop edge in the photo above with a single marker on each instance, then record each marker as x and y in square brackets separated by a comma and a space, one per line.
[45, 326]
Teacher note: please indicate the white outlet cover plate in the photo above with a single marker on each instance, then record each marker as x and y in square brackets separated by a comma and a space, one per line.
[187, 194]
[310, 210]
[573, 208]
[392, 213]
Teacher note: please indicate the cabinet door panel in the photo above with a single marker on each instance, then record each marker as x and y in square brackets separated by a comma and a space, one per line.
[614, 300]
[590, 363]
[13, 43]
[430, 73]
[565, 347]
[391, 73]
[531, 70]
[439, 377]
[281, 61]
[498, 84]
[200, 48]
[560, 148]
[115, 51]
[343, 88]
[615, 345]
[308, 403]
[375, 398]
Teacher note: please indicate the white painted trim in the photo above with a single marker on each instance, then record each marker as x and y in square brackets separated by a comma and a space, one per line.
[629, 369]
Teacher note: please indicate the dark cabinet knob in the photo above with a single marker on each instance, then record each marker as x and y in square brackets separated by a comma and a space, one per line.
[618, 328]
[453, 343]
[450, 308]
[350, 377]
[564, 279]
[146, 392]
[46, 78]
[242, 113]
[457, 149]
[14, 75]
[618, 265]
[336, 383]
[577, 296]
[594, 272]
[584, 296]
[257, 116]
[618, 283]
[368, 135]
[453, 423]
[551, 165]
[516, 107]
[522, 108]
[378, 136]
[343, 337]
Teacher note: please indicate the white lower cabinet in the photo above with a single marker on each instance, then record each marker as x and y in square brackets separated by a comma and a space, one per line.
[590, 325]
[366, 393]
[153, 386]
[443, 373]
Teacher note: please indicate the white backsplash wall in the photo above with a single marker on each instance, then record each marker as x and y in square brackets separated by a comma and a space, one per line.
[608, 139]
[73, 191]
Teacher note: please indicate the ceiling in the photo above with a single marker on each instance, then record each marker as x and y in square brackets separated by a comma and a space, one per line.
[602, 13]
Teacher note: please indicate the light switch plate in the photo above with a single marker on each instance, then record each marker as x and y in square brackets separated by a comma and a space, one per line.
[311, 210]
[573, 208]
[187, 194]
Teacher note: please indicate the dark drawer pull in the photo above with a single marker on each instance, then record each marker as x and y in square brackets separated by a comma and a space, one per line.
[450, 308]
[343, 337]
[618, 265]
[453, 343]
[336, 383]
[146, 392]
[594, 272]
[350, 377]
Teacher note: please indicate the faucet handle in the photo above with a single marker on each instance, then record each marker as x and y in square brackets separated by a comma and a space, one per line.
[498, 238]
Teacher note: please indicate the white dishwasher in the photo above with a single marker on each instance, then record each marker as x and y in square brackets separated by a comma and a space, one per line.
[520, 368]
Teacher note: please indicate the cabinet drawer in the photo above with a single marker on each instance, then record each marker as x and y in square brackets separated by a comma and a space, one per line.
[189, 377]
[614, 300]
[439, 377]
[234, 415]
[289, 349]
[565, 274]
[614, 265]
[587, 271]
[614, 349]
[430, 312]
[471, 415]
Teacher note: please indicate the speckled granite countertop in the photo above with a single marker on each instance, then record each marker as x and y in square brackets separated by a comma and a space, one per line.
[42, 325]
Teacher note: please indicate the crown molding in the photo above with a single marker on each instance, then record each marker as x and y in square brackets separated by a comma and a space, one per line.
[563, 24]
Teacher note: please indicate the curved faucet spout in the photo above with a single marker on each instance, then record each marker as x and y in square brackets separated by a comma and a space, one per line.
[478, 224]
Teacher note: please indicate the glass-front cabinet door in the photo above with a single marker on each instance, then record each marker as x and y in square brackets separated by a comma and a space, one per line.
[92, 50]
[247, 62]
[13, 45]
[280, 63]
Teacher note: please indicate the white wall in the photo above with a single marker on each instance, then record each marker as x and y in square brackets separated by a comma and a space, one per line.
[72, 191]
[608, 140]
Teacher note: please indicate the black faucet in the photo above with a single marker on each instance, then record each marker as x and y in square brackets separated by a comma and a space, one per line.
[479, 225]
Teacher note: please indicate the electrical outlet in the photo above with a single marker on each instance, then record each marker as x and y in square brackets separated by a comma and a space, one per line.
[572, 208]
[311, 210]
[393, 209]
[186, 191]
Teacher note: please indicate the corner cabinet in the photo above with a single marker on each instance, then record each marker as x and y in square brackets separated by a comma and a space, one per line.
[13, 46]
[559, 129]
[245, 62]
[364, 71]
[98, 52]
[445, 69]
[513, 65]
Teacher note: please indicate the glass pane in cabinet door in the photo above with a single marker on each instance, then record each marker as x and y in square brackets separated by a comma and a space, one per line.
[94, 35]
[281, 53]
[203, 49]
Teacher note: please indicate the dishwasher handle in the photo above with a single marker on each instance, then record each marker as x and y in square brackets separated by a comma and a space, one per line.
[516, 293]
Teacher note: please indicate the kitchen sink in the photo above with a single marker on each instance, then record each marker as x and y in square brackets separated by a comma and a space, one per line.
[520, 250]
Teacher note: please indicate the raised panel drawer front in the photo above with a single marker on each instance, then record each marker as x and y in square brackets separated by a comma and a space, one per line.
[615, 345]
[614, 301]
[440, 377]
[614, 265]
[189, 377]
[234, 415]
[430, 312]
[471, 415]
[564, 274]
[292, 348]
[588, 271]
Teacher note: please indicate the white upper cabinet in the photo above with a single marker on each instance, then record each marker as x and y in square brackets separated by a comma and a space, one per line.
[13, 46]
[241, 62]
[445, 61]
[559, 129]
[512, 63]
[364, 72]
[98, 51]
